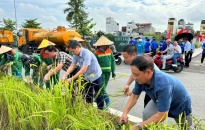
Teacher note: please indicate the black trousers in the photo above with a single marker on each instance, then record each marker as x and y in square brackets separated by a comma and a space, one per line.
[187, 59]
[190, 56]
[89, 93]
[202, 57]
[153, 53]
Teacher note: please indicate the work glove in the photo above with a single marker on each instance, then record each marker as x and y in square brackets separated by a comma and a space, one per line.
[49, 67]
[28, 79]
[113, 75]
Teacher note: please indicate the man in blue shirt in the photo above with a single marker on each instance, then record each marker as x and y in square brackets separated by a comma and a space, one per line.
[140, 47]
[203, 52]
[131, 41]
[168, 95]
[91, 70]
[154, 46]
[129, 52]
[192, 50]
[147, 46]
[187, 50]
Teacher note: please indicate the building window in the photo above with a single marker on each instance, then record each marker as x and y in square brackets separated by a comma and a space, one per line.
[170, 23]
[203, 28]
[203, 22]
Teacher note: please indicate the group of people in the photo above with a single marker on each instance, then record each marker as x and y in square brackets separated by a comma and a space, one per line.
[145, 47]
[97, 67]
[165, 96]
[171, 50]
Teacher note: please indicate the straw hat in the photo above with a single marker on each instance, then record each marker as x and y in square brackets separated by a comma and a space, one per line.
[4, 49]
[78, 39]
[103, 41]
[45, 43]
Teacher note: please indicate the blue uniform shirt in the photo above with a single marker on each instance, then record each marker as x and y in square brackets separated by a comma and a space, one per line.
[168, 92]
[147, 46]
[203, 49]
[140, 48]
[87, 58]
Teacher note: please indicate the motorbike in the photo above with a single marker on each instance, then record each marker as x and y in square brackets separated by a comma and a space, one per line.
[118, 59]
[169, 62]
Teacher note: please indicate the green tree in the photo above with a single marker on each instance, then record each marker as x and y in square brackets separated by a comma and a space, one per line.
[78, 18]
[100, 33]
[31, 23]
[8, 24]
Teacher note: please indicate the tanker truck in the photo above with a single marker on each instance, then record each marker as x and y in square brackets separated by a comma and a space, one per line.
[6, 37]
[30, 39]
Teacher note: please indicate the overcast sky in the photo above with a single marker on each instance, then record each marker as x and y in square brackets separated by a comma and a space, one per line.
[50, 12]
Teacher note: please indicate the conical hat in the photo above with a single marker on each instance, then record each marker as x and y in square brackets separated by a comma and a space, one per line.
[103, 41]
[4, 49]
[78, 39]
[45, 43]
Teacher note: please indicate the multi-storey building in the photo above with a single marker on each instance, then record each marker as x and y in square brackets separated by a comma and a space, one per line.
[181, 24]
[172, 26]
[111, 25]
[202, 27]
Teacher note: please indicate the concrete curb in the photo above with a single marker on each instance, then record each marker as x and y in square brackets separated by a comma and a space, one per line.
[130, 117]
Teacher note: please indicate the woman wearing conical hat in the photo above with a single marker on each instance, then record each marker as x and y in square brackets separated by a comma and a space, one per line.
[9, 56]
[107, 63]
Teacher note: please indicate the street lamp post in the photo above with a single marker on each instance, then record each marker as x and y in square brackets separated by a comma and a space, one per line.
[15, 14]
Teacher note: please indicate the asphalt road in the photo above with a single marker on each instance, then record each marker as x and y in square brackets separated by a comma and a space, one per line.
[192, 77]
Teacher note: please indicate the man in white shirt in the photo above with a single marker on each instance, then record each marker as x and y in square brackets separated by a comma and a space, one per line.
[170, 53]
[177, 53]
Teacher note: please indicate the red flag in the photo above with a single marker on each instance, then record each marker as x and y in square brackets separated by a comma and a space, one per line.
[187, 30]
[180, 31]
[200, 38]
[169, 34]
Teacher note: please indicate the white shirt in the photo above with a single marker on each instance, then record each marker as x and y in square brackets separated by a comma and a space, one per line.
[177, 49]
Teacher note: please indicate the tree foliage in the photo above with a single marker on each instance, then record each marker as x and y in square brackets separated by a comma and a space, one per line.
[78, 18]
[31, 23]
[100, 33]
[8, 24]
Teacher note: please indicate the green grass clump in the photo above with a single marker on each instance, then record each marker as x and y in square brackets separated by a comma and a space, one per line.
[27, 107]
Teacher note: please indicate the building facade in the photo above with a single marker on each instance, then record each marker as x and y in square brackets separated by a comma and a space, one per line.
[202, 27]
[111, 25]
[172, 26]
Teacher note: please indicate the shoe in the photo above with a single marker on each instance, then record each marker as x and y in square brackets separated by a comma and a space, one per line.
[162, 68]
[174, 65]
[186, 66]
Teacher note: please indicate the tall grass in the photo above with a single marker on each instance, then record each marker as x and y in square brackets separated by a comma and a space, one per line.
[25, 106]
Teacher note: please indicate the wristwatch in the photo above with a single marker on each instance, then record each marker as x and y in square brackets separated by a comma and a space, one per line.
[139, 127]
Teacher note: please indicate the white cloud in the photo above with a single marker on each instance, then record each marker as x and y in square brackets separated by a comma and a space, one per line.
[50, 12]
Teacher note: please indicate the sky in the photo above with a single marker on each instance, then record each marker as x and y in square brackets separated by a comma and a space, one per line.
[50, 12]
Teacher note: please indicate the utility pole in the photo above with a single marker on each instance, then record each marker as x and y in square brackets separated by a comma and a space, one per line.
[15, 14]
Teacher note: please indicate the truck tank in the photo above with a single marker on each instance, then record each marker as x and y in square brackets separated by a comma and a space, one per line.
[60, 36]
[6, 37]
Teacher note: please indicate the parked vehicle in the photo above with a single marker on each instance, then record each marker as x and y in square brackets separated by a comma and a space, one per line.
[30, 38]
[169, 62]
[6, 37]
[118, 59]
